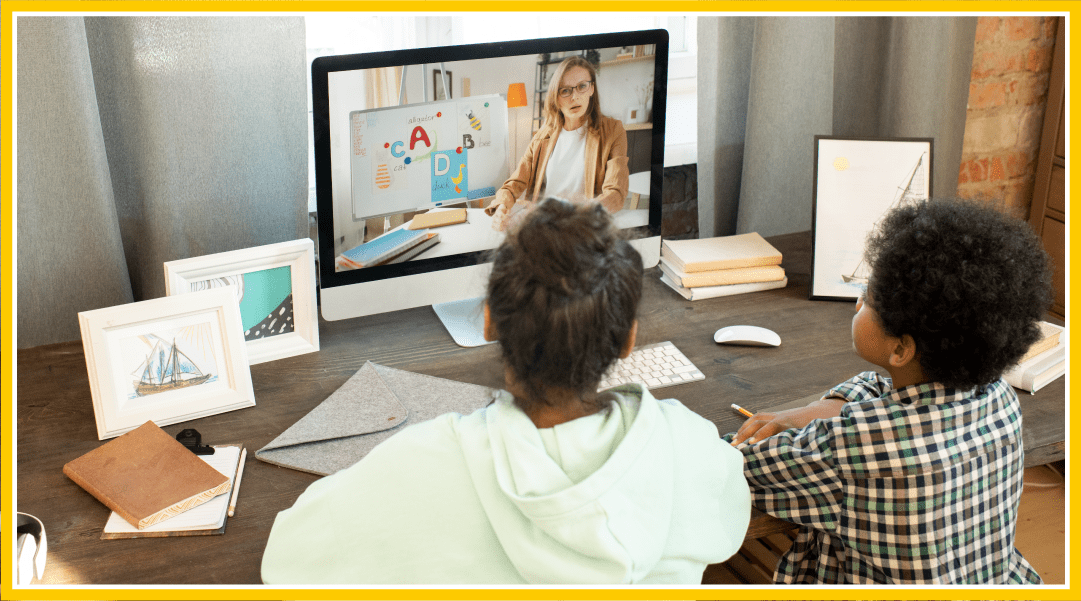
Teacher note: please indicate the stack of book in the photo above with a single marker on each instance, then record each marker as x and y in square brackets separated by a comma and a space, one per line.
[1044, 362]
[393, 247]
[723, 266]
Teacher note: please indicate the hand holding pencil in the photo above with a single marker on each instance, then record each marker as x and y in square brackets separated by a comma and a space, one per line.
[760, 426]
[742, 411]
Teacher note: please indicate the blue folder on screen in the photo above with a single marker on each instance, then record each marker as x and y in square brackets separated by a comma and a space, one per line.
[382, 248]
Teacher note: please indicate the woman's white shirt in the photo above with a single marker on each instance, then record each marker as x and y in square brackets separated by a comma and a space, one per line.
[565, 175]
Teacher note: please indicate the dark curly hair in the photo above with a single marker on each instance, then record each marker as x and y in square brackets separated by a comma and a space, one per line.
[968, 283]
[563, 296]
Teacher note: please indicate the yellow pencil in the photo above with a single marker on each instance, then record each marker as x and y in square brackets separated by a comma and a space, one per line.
[743, 411]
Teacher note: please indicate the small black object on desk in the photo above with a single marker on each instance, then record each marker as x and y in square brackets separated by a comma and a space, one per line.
[191, 439]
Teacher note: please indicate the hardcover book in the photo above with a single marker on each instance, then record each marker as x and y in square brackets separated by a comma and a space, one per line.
[1049, 335]
[721, 277]
[208, 518]
[703, 292]
[379, 249]
[1036, 372]
[438, 219]
[429, 241]
[146, 476]
[724, 252]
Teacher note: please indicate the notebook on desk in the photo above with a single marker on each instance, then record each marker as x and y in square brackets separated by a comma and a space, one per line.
[208, 518]
[146, 476]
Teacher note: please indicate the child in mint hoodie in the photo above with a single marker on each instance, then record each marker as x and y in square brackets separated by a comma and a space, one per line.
[551, 483]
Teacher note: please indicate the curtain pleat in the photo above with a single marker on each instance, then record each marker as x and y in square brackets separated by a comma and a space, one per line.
[70, 256]
[381, 87]
[201, 142]
[779, 81]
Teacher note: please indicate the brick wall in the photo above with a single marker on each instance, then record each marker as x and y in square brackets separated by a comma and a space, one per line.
[1011, 66]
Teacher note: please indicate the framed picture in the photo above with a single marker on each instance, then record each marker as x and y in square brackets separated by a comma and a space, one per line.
[438, 91]
[856, 182]
[275, 290]
[169, 360]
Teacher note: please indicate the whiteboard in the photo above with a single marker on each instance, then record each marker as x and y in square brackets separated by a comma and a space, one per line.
[420, 156]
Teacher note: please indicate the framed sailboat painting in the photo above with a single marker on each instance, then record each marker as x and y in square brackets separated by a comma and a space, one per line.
[169, 360]
[275, 289]
[856, 182]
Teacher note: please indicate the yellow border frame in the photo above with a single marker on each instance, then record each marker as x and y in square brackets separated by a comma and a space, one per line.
[8, 351]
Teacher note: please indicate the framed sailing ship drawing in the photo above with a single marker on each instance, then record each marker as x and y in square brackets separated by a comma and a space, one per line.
[169, 360]
[275, 290]
[856, 182]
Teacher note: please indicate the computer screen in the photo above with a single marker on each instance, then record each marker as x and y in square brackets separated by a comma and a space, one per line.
[411, 147]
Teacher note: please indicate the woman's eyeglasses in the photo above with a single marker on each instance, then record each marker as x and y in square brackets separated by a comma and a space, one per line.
[581, 88]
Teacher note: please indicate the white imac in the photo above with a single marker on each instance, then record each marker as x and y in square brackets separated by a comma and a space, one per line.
[402, 136]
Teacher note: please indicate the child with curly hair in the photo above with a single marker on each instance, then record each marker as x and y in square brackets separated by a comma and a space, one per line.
[553, 482]
[915, 477]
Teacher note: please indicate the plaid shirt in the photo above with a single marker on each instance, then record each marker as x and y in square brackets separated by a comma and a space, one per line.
[917, 485]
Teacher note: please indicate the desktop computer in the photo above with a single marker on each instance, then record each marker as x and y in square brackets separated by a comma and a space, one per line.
[426, 131]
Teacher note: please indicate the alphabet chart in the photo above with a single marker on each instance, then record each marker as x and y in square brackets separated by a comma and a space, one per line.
[421, 156]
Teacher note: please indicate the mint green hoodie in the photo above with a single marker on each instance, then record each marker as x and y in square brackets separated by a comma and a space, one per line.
[642, 492]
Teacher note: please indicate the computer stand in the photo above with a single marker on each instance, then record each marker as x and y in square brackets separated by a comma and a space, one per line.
[464, 319]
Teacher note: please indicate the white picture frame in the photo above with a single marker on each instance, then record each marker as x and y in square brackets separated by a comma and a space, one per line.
[296, 259]
[139, 359]
[856, 182]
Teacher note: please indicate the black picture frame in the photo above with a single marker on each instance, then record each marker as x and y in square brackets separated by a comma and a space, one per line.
[856, 182]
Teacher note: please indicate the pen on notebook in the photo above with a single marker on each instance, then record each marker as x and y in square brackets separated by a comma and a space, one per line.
[236, 484]
[742, 411]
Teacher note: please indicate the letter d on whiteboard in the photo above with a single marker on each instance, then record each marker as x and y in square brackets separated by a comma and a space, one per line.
[442, 164]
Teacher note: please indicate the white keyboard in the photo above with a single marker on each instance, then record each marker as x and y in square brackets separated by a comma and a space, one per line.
[655, 365]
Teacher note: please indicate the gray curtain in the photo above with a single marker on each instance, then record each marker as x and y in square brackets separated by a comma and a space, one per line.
[779, 81]
[148, 139]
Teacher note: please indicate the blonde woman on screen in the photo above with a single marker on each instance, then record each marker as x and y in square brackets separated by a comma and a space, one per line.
[578, 154]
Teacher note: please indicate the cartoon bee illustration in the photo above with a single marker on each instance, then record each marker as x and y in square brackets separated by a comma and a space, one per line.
[474, 122]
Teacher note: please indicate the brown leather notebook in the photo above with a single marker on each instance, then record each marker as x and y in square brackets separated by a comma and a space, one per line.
[146, 476]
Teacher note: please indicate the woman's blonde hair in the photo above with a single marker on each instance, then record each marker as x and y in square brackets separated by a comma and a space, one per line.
[553, 117]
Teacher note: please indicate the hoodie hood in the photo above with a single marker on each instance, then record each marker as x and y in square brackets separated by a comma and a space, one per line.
[644, 491]
[587, 501]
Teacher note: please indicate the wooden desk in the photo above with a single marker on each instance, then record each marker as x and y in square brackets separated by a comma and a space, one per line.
[56, 417]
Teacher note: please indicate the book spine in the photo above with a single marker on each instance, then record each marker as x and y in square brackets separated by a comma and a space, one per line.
[431, 241]
[346, 263]
[1045, 378]
[668, 255]
[717, 291]
[182, 506]
[771, 273]
[366, 254]
[732, 264]
[684, 292]
[1038, 371]
[1040, 346]
[99, 495]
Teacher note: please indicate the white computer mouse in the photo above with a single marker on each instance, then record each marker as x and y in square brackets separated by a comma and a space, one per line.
[747, 335]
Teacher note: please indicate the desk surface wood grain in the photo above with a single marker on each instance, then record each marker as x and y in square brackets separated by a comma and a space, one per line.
[55, 416]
